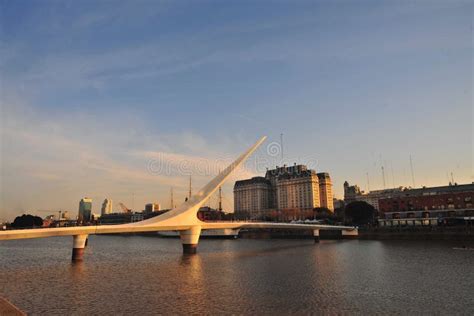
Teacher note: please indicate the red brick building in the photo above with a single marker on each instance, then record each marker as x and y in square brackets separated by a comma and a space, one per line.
[425, 199]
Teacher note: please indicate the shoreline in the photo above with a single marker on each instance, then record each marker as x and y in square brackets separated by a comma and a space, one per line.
[364, 234]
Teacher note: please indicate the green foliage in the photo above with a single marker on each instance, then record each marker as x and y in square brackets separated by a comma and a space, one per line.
[359, 212]
[27, 221]
[322, 213]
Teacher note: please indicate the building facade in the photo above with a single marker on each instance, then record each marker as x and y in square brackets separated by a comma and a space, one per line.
[85, 210]
[325, 191]
[297, 188]
[451, 197]
[152, 207]
[354, 193]
[106, 207]
[283, 189]
[252, 195]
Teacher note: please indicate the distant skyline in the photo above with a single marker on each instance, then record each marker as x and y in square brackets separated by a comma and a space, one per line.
[126, 99]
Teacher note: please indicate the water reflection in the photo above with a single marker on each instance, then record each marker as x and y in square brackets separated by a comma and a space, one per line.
[77, 270]
[150, 276]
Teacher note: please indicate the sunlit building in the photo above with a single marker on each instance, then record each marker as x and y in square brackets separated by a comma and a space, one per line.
[152, 207]
[107, 207]
[295, 188]
[325, 191]
[252, 196]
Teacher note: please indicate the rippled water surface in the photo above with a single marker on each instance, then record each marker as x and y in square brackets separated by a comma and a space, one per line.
[147, 275]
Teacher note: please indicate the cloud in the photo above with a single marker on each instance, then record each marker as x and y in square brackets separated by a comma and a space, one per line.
[58, 163]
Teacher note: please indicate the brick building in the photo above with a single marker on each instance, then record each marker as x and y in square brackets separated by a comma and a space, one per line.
[449, 197]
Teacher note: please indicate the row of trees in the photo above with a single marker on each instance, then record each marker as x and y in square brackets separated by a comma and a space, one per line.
[27, 221]
[358, 212]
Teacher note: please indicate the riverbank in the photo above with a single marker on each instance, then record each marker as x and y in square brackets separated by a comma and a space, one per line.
[425, 233]
[8, 309]
[428, 233]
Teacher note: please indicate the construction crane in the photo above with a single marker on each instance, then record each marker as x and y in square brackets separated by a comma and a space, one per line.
[124, 208]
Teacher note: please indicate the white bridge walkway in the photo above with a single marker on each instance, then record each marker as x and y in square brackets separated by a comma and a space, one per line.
[182, 218]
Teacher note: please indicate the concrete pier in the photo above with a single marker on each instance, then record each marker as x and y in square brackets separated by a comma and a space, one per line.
[316, 235]
[79, 243]
[350, 234]
[190, 239]
[8, 309]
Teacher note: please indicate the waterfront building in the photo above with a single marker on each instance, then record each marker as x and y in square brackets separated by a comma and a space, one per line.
[152, 207]
[128, 217]
[106, 207]
[338, 204]
[85, 210]
[294, 189]
[428, 199]
[452, 196]
[325, 191]
[354, 193]
[297, 188]
[252, 195]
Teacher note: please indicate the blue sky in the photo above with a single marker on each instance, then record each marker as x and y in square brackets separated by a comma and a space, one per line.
[93, 91]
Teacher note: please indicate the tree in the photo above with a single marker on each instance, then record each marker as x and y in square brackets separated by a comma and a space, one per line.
[359, 212]
[27, 221]
[322, 213]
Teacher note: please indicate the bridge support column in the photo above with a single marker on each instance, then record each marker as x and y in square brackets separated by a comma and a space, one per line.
[350, 234]
[190, 239]
[78, 245]
[316, 235]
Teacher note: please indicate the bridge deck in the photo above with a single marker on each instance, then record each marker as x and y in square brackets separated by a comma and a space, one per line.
[131, 228]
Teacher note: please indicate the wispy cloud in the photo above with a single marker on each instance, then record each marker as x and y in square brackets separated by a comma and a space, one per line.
[39, 150]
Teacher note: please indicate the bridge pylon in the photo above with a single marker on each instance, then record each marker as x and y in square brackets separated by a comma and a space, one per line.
[78, 245]
[190, 239]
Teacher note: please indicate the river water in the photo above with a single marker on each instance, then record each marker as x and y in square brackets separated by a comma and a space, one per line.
[124, 275]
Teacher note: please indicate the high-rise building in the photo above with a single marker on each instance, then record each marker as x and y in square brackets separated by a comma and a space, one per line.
[294, 188]
[252, 195]
[152, 207]
[297, 188]
[85, 210]
[325, 191]
[106, 207]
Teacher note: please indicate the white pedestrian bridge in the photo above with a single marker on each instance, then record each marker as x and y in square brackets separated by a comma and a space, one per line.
[182, 218]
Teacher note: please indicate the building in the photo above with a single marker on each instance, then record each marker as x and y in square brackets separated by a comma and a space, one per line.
[353, 193]
[107, 207]
[128, 217]
[451, 197]
[297, 188]
[325, 191]
[252, 195]
[294, 189]
[152, 207]
[85, 210]
[338, 204]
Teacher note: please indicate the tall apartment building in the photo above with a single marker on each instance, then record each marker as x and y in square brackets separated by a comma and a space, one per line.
[283, 188]
[106, 207]
[85, 210]
[252, 195]
[152, 207]
[325, 191]
[297, 188]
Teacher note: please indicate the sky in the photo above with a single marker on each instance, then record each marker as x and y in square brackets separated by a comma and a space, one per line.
[126, 99]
